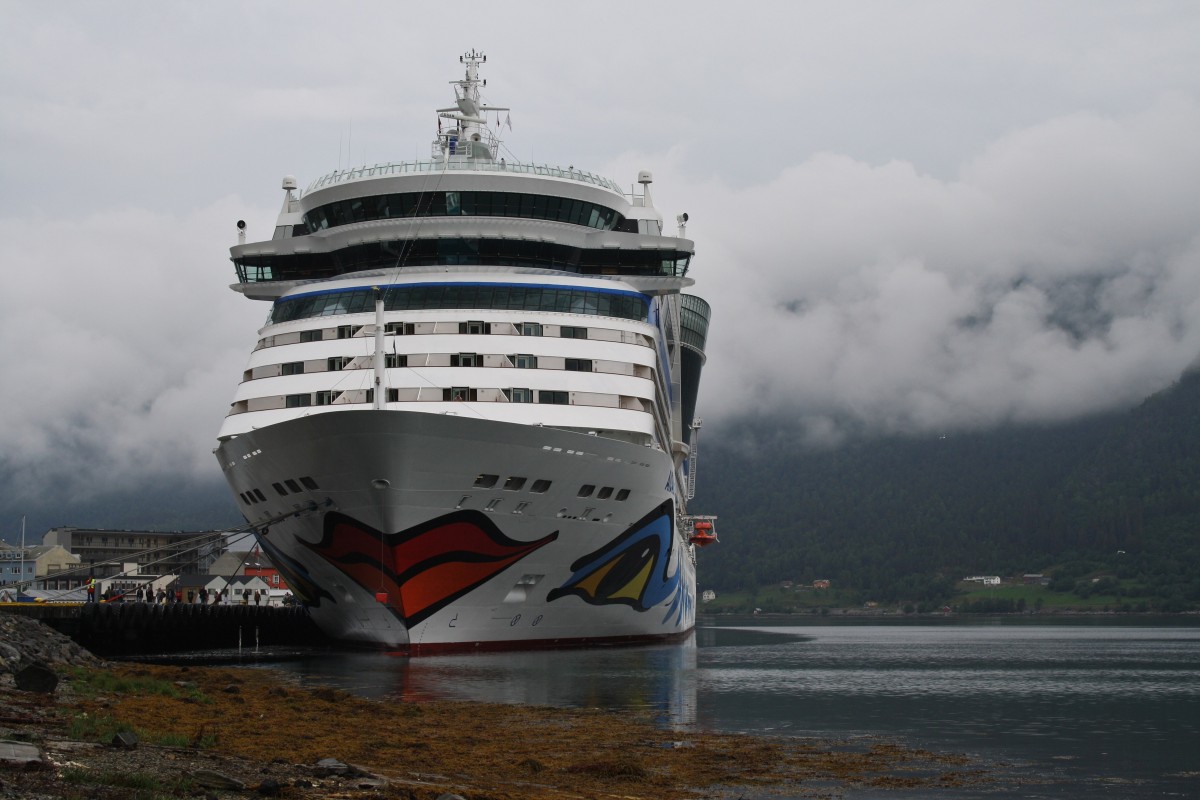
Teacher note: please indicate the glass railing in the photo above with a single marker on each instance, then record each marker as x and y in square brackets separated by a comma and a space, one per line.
[461, 164]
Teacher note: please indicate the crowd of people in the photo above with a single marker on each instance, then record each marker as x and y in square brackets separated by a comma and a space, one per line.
[147, 593]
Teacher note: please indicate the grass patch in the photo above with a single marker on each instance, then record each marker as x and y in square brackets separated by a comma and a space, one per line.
[89, 683]
[102, 728]
[141, 785]
[95, 727]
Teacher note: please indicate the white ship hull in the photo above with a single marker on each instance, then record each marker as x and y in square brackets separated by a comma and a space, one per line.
[412, 541]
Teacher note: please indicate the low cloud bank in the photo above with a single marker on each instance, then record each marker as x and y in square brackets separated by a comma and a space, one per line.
[1057, 275]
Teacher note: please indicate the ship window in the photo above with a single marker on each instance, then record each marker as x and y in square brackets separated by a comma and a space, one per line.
[460, 393]
[486, 481]
[579, 365]
[611, 303]
[531, 329]
[392, 360]
[586, 490]
[623, 494]
[393, 395]
[262, 498]
[463, 360]
[293, 368]
[312, 336]
[514, 484]
[398, 328]
[324, 398]
[554, 398]
[337, 363]
[540, 486]
[243, 496]
[279, 488]
[297, 400]
[604, 493]
[348, 331]
[309, 483]
[525, 361]
[569, 332]
[519, 395]
[291, 484]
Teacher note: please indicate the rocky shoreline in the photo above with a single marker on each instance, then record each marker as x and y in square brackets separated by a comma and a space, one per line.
[138, 732]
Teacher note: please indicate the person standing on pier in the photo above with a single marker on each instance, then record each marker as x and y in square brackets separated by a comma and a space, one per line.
[91, 590]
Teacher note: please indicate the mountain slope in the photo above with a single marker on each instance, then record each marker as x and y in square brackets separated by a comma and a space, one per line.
[891, 515]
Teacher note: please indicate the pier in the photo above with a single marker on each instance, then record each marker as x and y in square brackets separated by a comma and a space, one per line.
[128, 628]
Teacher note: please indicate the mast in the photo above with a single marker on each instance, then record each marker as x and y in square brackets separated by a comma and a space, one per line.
[470, 135]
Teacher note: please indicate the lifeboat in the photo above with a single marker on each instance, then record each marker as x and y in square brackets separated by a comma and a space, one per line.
[703, 534]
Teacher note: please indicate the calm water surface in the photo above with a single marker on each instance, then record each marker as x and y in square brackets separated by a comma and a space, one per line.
[1052, 710]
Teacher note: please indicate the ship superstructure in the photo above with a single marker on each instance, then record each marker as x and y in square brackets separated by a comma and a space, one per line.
[467, 419]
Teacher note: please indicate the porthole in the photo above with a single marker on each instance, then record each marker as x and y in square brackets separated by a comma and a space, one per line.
[604, 493]
[586, 490]
[486, 481]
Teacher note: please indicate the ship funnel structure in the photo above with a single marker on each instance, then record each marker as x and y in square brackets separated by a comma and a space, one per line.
[694, 315]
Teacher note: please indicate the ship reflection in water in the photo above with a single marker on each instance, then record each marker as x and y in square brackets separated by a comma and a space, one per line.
[661, 679]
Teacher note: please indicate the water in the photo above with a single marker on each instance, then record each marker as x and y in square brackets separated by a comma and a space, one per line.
[1058, 710]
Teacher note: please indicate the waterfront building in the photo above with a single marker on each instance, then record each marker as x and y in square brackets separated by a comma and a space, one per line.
[103, 553]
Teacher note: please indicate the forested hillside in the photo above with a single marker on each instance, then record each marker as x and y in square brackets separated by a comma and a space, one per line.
[902, 518]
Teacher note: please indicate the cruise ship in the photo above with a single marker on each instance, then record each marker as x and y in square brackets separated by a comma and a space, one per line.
[468, 422]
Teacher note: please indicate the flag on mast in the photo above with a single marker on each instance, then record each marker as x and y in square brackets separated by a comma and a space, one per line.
[508, 121]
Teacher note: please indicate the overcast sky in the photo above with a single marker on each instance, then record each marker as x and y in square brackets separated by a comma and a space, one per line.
[915, 217]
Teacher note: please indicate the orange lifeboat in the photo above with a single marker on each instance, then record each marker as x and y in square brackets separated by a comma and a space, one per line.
[703, 534]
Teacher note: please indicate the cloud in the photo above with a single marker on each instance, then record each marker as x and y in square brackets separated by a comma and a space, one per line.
[905, 221]
[1057, 274]
[122, 346]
